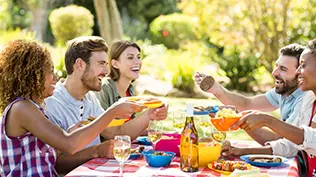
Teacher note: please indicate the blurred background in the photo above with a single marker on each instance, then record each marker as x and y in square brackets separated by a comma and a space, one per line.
[235, 41]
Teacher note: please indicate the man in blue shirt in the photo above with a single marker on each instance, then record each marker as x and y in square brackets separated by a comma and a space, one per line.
[286, 95]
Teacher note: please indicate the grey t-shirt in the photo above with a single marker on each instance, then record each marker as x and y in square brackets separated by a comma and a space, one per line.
[64, 110]
[289, 107]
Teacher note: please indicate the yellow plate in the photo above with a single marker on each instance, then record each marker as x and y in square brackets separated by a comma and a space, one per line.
[219, 171]
[117, 122]
[227, 172]
[155, 103]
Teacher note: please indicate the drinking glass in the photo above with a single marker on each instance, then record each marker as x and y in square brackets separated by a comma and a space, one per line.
[204, 124]
[218, 136]
[178, 121]
[122, 150]
[154, 132]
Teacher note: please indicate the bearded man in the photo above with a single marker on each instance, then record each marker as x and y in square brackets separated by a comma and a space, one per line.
[286, 95]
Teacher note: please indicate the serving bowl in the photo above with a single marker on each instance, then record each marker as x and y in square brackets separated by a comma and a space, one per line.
[170, 144]
[224, 123]
[158, 158]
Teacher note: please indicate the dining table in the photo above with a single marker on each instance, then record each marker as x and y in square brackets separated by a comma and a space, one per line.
[139, 167]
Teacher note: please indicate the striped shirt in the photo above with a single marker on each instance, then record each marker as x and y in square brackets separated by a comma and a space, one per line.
[25, 155]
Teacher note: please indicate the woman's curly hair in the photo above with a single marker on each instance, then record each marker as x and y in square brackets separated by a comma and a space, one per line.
[22, 71]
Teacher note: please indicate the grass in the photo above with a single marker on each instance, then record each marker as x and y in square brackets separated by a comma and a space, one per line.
[179, 104]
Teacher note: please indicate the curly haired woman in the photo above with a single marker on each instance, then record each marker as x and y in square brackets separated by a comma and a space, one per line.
[27, 136]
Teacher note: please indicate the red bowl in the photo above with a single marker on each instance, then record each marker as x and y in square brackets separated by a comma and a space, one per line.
[169, 144]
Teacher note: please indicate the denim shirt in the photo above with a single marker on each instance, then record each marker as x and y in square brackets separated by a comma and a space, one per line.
[289, 107]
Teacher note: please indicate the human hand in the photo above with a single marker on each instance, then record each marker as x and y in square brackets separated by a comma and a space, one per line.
[158, 113]
[252, 120]
[105, 149]
[205, 82]
[229, 150]
[124, 109]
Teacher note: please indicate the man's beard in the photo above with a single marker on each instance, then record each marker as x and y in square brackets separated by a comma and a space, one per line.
[288, 87]
[89, 81]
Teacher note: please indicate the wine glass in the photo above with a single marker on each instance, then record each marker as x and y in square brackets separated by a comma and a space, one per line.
[122, 150]
[218, 136]
[154, 132]
[204, 123]
[178, 121]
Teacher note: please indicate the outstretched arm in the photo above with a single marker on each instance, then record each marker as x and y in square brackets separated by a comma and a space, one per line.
[208, 84]
[257, 120]
[136, 126]
[26, 117]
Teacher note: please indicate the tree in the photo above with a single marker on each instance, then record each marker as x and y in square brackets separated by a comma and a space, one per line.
[137, 15]
[39, 11]
[109, 20]
[256, 27]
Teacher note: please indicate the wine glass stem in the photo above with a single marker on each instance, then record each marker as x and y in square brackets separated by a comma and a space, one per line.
[121, 168]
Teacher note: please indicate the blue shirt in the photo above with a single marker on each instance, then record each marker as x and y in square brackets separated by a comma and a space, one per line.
[289, 107]
[64, 110]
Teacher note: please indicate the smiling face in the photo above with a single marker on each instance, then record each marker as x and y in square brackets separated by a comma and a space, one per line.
[129, 63]
[95, 71]
[306, 71]
[284, 75]
[50, 82]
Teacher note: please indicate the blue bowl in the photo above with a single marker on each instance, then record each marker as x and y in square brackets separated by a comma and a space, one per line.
[158, 160]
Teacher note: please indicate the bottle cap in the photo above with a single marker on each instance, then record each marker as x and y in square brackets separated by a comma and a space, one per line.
[189, 109]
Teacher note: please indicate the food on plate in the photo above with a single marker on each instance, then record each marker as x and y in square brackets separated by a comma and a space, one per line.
[209, 109]
[150, 102]
[137, 150]
[230, 166]
[227, 113]
[203, 108]
[90, 119]
[265, 159]
[160, 153]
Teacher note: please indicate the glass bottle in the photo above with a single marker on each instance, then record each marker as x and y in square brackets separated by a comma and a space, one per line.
[189, 160]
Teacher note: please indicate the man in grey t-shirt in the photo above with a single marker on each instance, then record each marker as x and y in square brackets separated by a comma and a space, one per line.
[73, 101]
[286, 95]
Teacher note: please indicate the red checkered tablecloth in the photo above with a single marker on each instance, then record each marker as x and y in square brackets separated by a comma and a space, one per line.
[139, 167]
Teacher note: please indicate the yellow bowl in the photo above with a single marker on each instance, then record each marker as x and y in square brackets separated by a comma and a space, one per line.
[208, 152]
[117, 122]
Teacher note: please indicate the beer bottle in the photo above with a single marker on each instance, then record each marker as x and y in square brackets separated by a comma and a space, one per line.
[189, 160]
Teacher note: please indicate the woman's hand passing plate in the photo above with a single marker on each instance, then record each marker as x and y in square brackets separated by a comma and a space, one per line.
[263, 160]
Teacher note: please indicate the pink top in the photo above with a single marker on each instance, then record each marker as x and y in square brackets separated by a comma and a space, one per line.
[25, 155]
